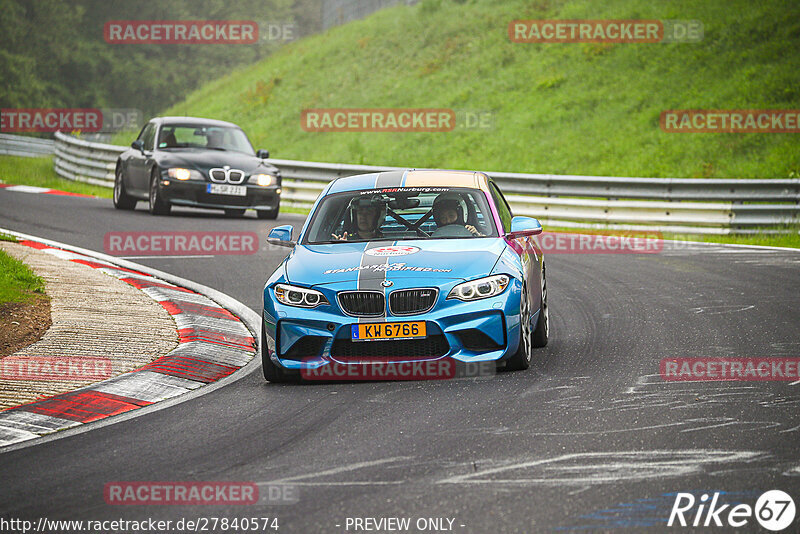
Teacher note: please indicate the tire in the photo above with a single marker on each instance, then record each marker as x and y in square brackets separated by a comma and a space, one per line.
[542, 331]
[122, 201]
[269, 214]
[273, 373]
[158, 206]
[521, 359]
[234, 213]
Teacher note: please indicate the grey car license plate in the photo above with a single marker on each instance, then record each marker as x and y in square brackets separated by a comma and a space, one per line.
[226, 189]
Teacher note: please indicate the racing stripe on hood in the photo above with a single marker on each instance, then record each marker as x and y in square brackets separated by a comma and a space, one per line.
[369, 279]
[389, 179]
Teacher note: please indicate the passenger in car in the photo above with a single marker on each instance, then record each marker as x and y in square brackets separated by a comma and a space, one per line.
[364, 218]
[215, 139]
[168, 141]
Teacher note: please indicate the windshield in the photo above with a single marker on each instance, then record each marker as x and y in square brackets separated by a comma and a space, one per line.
[400, 214]
[178, 136]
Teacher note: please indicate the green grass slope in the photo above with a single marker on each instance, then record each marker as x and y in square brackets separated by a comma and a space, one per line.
[17, 282]
[557, 108]
[39, 172]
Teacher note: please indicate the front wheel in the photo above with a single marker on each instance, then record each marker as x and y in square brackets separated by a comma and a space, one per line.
[158, 206]
[521, 359]
[269, 214]
[122, 201]
[542, 332]
[234, 213]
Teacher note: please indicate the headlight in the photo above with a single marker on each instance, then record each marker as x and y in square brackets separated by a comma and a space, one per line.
[299, 296]
[184, 174]
[263, 180]
[481, 288]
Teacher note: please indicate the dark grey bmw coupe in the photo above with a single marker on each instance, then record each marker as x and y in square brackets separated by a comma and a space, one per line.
[203, 163]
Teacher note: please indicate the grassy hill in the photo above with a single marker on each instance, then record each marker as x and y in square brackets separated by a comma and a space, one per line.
[557, 108]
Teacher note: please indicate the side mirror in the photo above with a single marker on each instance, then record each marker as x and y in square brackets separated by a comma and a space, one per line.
[524, 227]
[281, 236]
[138, 145]
[261, 153]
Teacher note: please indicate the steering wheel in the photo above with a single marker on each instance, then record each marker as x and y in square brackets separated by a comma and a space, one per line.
[452, 230]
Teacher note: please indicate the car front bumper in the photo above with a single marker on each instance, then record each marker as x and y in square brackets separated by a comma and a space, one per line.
[195, 193]
[477, 331]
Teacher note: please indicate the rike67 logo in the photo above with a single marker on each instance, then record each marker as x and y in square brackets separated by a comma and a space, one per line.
[774, 510]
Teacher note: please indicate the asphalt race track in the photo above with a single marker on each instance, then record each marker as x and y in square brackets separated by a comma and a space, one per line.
[590, 438]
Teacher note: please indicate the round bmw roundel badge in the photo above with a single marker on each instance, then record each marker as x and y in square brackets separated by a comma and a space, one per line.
[395, 250]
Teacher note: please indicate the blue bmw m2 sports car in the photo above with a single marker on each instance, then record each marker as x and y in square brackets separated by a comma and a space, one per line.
[412, 266]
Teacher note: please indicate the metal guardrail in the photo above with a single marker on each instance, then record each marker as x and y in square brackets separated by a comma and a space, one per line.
[32, 147]
[661, 204]
[667, 204]
[85, 161]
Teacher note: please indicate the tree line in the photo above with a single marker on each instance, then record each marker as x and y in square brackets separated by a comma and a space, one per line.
[53, 53]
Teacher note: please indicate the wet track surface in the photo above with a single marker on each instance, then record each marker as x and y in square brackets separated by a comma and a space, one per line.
[590, 437]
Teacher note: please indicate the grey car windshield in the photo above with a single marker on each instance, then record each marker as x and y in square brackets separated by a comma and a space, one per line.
[402, 214]
[179, 136]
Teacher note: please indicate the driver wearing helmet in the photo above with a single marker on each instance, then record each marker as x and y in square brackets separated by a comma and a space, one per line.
[448, 209]
[365, 215]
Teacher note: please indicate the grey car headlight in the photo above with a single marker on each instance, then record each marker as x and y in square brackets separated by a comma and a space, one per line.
[184, 174]
[264, 180]
[299, 296]
[481, 288]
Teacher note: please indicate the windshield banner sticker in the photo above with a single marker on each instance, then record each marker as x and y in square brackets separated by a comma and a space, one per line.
[383, 267]
[387, 190]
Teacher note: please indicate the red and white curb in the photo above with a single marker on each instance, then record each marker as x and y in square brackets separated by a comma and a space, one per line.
[42, 190]
[213, 344]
